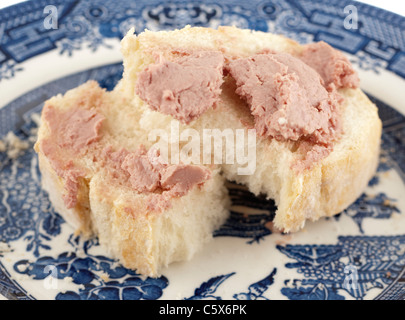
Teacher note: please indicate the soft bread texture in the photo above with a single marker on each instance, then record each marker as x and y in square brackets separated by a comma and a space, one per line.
[330, 186]
[137, 236]
[148, 241]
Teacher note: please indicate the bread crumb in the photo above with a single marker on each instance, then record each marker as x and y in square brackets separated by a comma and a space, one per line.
[13, 145]
[22, 277]
[283, 241]
[102, 275]
[105, 277]
[36, 118]
[387, 203]
[270, 226]
[68, 280]
[386, 174]
[282, 121]
[4, 247]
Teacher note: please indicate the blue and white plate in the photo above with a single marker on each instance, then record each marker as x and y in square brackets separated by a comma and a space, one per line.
[50, 46]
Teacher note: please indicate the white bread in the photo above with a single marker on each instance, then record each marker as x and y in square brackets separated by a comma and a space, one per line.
[139, 237]
[148, 241]
[327, 188]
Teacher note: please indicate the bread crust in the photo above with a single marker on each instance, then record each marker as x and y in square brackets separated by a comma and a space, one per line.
[336, 181]
[329, 186]
[79, 216]
[139, 237]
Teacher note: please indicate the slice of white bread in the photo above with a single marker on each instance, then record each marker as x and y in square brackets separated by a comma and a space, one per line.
[327, 188]
[147, 240]
[140, 237]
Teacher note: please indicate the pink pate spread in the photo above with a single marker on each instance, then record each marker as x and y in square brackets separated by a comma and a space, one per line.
[71, 132]
[184, 88]
[331, 64]
[291, 100]
[148, 173]
[76, 132]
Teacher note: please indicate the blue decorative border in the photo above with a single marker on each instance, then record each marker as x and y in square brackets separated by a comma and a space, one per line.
[378, 44]
[379, 36]
[377, 262]
[9, 288]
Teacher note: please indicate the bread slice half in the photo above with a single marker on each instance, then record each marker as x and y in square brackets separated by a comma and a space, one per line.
[132, 229]
[87, 134]
[325, 189]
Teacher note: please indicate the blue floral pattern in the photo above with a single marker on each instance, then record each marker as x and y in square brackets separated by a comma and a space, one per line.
[207, 289]
[253, 226]
[256, 290]
[97, 277]
[27, 211]
[8, 70]
[377, 206]
[84, 24]
[379, 260]
[27, 219]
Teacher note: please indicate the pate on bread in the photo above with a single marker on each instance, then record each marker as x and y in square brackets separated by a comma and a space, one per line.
[317, 140]
[102, 179]
[306, 185]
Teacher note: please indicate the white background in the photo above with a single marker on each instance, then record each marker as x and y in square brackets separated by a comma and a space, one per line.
[397, 6]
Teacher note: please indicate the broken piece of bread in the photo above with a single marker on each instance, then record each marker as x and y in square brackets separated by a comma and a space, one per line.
[327, 186]
[98, 177]
[315, 144]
